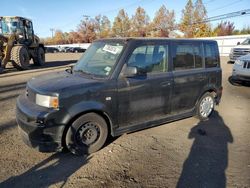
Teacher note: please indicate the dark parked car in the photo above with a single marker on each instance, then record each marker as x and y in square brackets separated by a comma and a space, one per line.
[51, 50]
[75, 50]
[64, 49]
[120, 86]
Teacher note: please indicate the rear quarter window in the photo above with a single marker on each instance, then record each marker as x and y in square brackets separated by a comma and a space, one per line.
[211, 55]
[187, 56]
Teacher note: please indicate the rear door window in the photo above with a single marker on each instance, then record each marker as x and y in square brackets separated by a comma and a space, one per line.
[150, 58]
[187, 56]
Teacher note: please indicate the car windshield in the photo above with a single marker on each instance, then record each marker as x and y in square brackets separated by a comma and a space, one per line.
[100, 58]
[246, 42]
[7, 27]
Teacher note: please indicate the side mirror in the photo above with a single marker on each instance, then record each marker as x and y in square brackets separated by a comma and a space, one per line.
[238, 43]
[69, 69]
[130, 72]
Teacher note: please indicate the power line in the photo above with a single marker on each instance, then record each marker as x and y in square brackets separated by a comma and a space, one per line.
[225, 16]
[207, 2]
[227, 5]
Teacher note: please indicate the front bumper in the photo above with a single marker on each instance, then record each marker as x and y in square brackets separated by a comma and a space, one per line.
[241, 74]
[241, 78]
[37, 126]
[232, 57]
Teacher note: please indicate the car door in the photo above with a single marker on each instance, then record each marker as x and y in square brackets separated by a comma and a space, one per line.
[189, 75]
[145, 97]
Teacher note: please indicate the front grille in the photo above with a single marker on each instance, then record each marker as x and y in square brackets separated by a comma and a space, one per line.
[31, 94]
[237, 52]
[246, 65]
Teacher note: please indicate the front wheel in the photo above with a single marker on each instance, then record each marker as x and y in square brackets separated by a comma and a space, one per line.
[87, 134]
[20, 57]
[205, 106]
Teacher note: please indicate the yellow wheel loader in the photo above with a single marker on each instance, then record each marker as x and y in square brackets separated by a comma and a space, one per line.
[19, 44]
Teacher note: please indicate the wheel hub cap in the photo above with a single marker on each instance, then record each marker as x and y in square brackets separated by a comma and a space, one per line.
[206, 106]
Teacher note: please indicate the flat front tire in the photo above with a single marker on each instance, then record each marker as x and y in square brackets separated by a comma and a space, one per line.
[87, 134]
[205, 106]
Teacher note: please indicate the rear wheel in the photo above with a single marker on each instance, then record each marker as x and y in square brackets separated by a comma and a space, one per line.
[205, 106]
[87, 134]
[20, 57]
[40, 58]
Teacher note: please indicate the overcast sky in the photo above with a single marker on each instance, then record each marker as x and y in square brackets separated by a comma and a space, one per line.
[66, 14]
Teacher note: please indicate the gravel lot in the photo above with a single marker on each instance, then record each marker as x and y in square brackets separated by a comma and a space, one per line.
[171, 155]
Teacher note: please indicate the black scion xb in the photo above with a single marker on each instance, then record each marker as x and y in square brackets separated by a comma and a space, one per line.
[119, 86]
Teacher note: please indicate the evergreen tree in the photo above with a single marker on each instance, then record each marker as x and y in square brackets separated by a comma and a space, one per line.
[59, 37]
[140, 22]
[187, 20]
[121, 25]
[201, 28]
[105, 27]
[163, 23]
[87, 30]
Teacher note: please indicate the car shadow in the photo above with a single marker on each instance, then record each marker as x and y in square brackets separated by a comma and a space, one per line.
[237, 82]
[7, 125]
[207, 161]
[55, 169]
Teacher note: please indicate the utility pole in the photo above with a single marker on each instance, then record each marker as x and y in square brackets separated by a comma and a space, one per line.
[52, 32]
[86, 16]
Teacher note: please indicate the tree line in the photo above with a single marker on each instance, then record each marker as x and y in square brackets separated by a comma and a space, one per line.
[192, 24]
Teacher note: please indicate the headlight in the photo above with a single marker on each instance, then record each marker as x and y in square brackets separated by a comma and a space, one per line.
[47, 101]
[238, 62]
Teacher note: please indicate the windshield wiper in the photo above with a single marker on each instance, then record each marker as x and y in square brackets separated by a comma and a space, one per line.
[84, 72]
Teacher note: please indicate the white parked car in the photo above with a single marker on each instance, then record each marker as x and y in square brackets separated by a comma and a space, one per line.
[240, 50]
[241, 68]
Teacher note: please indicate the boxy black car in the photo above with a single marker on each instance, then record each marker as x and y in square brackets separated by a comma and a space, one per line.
[120, 86]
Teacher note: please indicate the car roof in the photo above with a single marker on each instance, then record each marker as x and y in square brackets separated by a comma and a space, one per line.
[126, 39]
[17, 17]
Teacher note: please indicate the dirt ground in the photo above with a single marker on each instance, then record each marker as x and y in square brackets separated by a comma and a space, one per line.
[171, 155]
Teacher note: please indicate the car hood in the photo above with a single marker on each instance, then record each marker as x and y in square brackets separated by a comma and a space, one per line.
[58, 82]
[242, 46]
[245, 57]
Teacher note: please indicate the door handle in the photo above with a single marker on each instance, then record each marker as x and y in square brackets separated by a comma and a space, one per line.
[201, 77]
[165, 84]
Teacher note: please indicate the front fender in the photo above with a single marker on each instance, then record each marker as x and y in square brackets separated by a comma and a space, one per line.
[85, 106]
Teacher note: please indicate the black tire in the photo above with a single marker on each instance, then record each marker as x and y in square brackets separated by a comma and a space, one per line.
[39, 60]
[20, 57]
[205, 106]
[87, 134]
